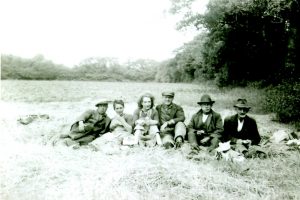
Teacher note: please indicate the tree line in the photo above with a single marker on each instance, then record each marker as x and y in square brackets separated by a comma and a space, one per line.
[240, 43]
[244, 42]
[94, 68]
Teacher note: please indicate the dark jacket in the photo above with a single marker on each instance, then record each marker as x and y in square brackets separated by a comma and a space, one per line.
[249, 130]
[94, 124]
[213, 125]
[174, 112]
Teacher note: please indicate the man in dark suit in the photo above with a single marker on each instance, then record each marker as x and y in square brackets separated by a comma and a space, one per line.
[240, 125]
[206, 126]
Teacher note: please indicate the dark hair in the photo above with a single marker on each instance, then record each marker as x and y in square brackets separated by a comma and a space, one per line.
[121, 102]
[141, 100]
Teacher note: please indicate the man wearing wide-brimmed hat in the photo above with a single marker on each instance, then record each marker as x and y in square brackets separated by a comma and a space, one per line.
[206, 126]
[240, 125]
[171, 118]
[90, 125]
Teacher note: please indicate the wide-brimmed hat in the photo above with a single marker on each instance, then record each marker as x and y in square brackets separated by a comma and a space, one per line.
[168, 93]
[242, 103]
[205, 99]
[102, 102]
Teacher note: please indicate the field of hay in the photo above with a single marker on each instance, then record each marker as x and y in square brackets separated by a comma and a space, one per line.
[31, 168]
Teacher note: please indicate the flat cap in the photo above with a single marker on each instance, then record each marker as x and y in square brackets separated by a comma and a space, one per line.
[102, 102]
[171, 94]
[242, 103]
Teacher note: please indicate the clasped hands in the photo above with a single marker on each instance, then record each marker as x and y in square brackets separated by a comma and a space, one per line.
[165, 125]
[146, 121]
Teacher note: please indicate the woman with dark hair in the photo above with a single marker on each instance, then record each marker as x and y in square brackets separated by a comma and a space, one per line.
[121, 122]
[146, 122]
[120, 127]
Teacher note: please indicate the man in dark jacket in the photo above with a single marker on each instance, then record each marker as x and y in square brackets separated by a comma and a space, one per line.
[90, 125]
[171, 118]
[206, 126]
[240, 125]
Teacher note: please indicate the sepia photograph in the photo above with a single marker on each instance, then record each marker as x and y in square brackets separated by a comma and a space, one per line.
[150, 100]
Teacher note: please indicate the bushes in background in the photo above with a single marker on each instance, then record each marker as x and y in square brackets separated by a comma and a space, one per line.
[284, 100]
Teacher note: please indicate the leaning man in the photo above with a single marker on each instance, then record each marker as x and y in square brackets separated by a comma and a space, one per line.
[171, 118]
[90, 125]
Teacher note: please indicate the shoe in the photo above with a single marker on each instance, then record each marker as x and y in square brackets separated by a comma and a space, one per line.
[178, 144]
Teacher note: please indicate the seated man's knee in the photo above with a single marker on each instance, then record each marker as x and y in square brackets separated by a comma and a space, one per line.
[180, 126]
[180, 129]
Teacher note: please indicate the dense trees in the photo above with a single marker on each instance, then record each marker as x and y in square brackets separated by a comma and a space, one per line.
[38, 68]
[246, 42]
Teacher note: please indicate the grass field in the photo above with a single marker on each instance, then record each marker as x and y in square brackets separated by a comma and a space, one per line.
[31, 168]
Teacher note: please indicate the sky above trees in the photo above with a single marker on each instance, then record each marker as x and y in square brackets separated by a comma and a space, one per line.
[67, 32]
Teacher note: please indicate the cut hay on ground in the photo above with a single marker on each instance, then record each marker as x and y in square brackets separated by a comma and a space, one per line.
[32, 169]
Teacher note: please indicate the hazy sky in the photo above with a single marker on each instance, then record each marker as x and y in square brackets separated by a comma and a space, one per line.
[68, 31]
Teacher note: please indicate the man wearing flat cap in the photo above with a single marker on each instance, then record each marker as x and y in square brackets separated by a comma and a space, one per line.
[206, 126]
[171, 118]
[240, 125]
[90, 125]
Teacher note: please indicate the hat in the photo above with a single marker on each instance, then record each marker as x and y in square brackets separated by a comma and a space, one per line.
[242, 103]
[171, 94]
[102, 102]
[206, 99]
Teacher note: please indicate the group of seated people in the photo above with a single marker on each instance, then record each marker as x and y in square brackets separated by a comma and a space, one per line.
[162, 125]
